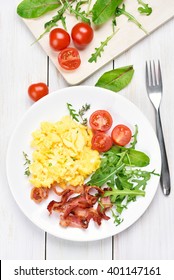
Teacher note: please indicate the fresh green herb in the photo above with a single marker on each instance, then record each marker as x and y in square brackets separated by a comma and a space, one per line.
[78, 13]
[116, 79]
[124, 192]
[27, 163]
[73, 112]
[88, 7]
[80, 115]
[79, 6]
[102, 11]
[145, 8]
[134, 136]
[118, 169]
[122, 11]
[117, 218]
[63, 20]
[99, 50]
[82, 112]
[57, 17]
[36, 8]
[53, 22]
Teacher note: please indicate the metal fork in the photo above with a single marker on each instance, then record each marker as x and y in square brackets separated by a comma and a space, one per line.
[155, 89]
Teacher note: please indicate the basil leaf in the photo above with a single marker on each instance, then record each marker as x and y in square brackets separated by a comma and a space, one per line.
[116, 79]
[36, 8]
[103, 10]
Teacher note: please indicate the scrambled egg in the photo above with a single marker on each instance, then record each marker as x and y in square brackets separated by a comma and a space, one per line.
[62, 154]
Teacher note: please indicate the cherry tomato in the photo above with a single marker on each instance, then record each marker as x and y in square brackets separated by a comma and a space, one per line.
[37, 91]
[82, 34]
[101, 142]
[121, 135]
[69, 59]
[59, 39]
[100, 120]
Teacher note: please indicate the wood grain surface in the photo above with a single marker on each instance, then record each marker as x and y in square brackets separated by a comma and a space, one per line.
[152, 236]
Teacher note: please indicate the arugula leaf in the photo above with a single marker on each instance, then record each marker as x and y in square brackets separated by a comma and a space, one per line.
[80, 113]
[125, 181]
[78, 13]
[98, 51]
[27, 163]
[99, 178]
[134, 136]
[122, 11]
[145, 9]
[53, 22]
[72, 112]
[117, 219]
[116, 79]
[78, 7]
[36, 8]
[124, 192]
[103, 10]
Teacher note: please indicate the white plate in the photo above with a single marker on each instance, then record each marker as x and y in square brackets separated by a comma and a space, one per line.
[52, 108]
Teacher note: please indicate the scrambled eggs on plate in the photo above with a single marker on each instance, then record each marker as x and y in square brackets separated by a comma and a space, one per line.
[62, 154]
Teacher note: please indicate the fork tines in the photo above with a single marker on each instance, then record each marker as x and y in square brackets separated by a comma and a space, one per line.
[153, 75]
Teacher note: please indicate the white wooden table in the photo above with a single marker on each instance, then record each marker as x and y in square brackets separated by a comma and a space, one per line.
[152, 236]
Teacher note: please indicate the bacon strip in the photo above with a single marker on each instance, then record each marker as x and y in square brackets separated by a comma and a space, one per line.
[39, 194]
[78, 211]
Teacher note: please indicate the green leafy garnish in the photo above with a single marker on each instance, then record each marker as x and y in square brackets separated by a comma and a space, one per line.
[36, 8]
[27, 163]
[82, 112]
[73, 112]
[78, 13]
[116, 79]
[104, 10]
[53, 22]
[134, 136]
[122, 11]
[99, 50]
[118, 170]
[80, 115]
[145, 8]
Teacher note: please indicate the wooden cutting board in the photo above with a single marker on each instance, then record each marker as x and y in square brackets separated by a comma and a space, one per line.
[127, 35]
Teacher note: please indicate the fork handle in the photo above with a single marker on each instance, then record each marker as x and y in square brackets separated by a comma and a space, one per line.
[165, 174]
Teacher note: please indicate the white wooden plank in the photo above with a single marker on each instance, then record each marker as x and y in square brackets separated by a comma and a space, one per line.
[62, 249]
[127, 36]
[20, 66]
[151, 236]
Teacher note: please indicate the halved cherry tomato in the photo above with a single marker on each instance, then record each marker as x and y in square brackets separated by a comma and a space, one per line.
[101, 142]
[59, 39]
[82, 34]
[100, 120]
[121, 135]
[37, 91]
[69, 59]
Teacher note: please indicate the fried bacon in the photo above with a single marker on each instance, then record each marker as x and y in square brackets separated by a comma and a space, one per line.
[39, 194]
[77, 211]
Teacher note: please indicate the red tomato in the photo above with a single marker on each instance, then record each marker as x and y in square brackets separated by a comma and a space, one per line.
[100, 120]
[101, 142]
[69, 59]
[59, 39]
[82, 34]
[121, 135]
[37, 91]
